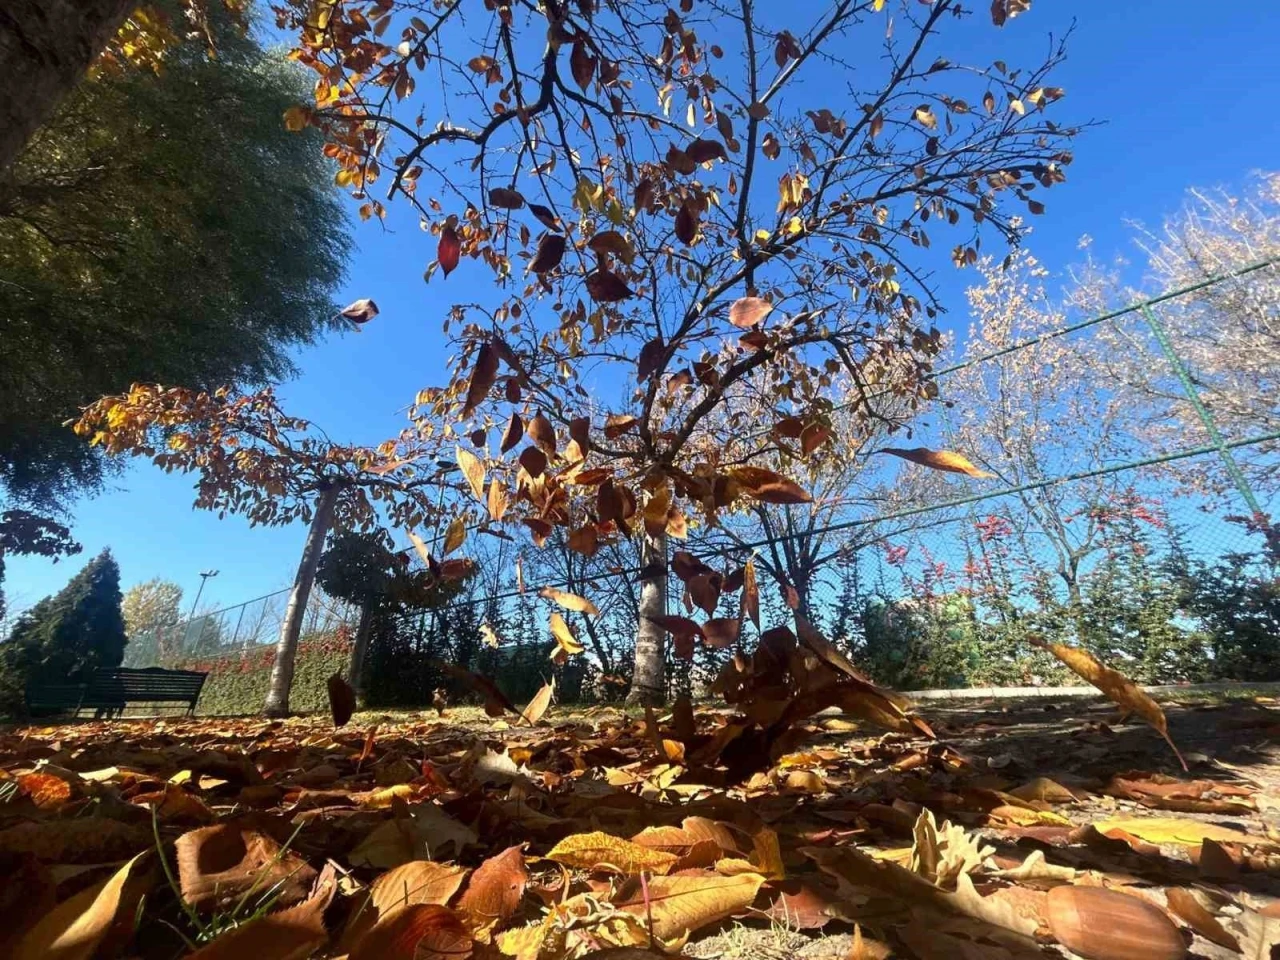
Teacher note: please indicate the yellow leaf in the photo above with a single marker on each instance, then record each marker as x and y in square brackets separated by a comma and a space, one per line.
[570, 601]
[456, 535]
[498, 501]
[588, 851]
[295, 118]
[939, 460]
[380, 799]
[684, 903]
[489, 635]
[473, 470]
[538, 705]
[1115, 685]
[924, 116]
[1173, 830]
[878, 5]
[565, 639]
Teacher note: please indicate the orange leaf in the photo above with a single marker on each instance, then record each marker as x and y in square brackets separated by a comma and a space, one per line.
[420, 931]
[589, 851]
[495, 889]
[513, 433]
[768, 486]
[286, 934]
[418, 881]
[939, 460]
[748, 311]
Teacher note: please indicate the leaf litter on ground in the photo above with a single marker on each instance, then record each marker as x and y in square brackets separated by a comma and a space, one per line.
[568, 835]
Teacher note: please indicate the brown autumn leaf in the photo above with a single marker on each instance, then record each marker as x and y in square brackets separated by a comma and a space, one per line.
[704, 151]
[570, 601]
[683, 632]
[939, 460]
[751, 593]
[495, 701]
[497, 501]
[76, 927]
[534, 462]
[483, 375]
[537, 707]
[342, 700]
[721, 632]
[506, 198]
[360, 311]
[496, 888]
[606, 287]
[612, 242]
[1187, 906]
[746, 312]
[768, 486]
[1115, 685]
[549, 253]
[418, 881]
[472, 471]
[581, 64]
[687, 223]
[219, 864]
[419, 931]
[513, 433]
[688, 901]
[542, 434]
[291, 934]
[449, 250]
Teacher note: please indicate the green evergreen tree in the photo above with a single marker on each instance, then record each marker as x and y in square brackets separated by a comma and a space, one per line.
[68, 635]
[160, 228]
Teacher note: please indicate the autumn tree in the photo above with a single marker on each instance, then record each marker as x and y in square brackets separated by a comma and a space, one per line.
[251, 458]
[23, 533]
[667, 206]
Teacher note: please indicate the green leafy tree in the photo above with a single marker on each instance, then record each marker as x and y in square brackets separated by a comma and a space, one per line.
[161, 226]
[66, 636]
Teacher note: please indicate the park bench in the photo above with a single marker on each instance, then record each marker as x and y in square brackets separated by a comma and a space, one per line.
[109, 691]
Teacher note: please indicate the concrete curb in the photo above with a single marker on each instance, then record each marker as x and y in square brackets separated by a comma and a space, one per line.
[1011, 693]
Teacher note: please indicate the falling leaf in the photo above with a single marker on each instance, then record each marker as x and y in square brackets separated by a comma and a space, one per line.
[751, 593]
[924, 116]
[938, 460]
[1115, 685]
[361, 311]
[591, 851]
[472, 470]
[483, 375]
[542, 434]
[746, 312]
[489, 635]
[581, 64]
[721, 632]
[495, 701]
[570, 601]
[683, 631]
[342, 700]
[565, 640]
[768, 486]
[498, 501]
[540, 702]
[448, 250]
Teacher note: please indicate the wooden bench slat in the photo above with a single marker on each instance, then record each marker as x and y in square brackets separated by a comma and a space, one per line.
[113, 689]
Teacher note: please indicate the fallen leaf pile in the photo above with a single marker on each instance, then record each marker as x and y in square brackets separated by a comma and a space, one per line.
[552, 835]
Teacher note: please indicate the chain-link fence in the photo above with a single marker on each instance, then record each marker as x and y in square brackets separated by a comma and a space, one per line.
[240, 631]
[1126, 476]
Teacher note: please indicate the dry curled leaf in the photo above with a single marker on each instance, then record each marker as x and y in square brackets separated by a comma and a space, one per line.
[570, 601]
[938, 460]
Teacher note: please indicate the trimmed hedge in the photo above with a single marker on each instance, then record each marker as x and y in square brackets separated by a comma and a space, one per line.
[238, 685]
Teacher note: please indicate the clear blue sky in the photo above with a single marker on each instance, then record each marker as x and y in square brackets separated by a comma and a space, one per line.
[1185, 90]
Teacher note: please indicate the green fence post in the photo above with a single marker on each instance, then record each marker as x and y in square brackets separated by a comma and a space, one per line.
[1206, 418]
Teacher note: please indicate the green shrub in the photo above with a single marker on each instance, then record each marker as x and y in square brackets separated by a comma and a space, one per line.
[238, 685]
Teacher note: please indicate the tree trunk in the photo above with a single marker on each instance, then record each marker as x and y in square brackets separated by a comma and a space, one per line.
[359, 649]
[277, 704]
[647, 682]
[45, 48]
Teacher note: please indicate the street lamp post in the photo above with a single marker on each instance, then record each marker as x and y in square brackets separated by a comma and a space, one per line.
[204, 578]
